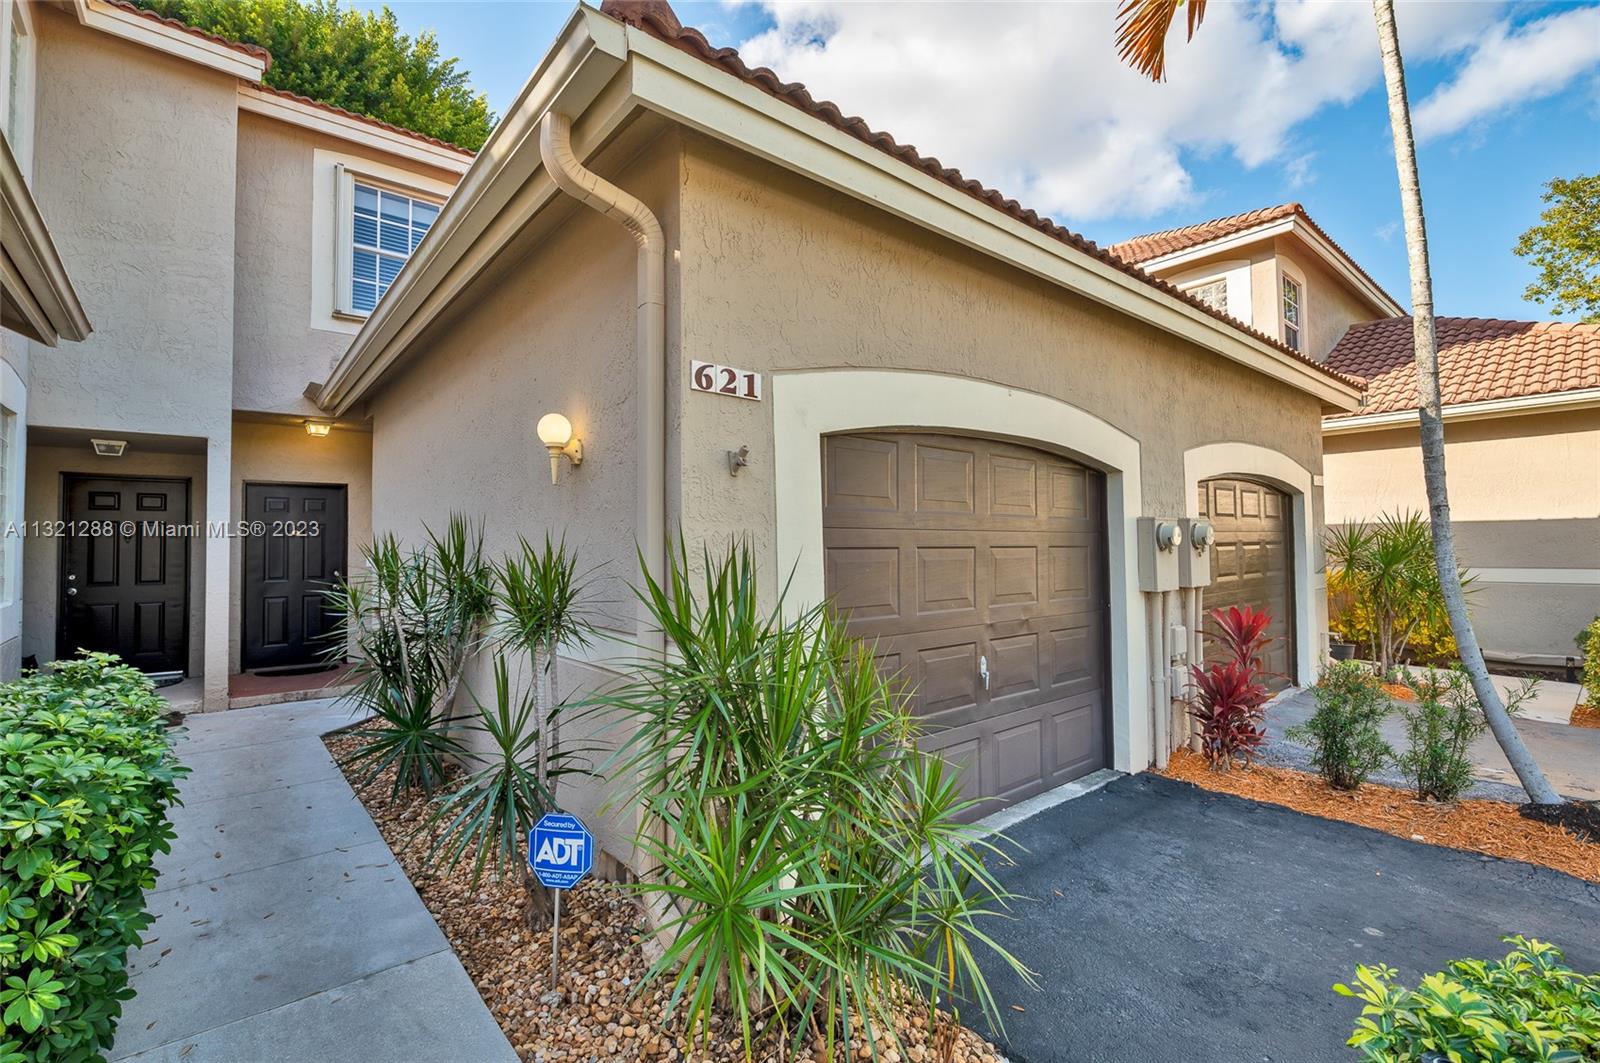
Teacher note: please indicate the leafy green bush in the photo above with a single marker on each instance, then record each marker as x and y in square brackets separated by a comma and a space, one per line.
[1528, 1006]
[86, 777]
[1589, 644]
[811, 872]
[1441, 726]
[1346, 742]
[1384, 593]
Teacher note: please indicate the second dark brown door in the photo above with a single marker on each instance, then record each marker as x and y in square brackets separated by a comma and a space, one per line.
[294, 550]
[1252, 562]
[979, 569]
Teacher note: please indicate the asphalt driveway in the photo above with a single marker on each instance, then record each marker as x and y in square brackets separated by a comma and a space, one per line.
[1169, 923]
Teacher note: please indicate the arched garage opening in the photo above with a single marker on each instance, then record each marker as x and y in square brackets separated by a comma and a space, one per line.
[1271, 503]
[978, 569]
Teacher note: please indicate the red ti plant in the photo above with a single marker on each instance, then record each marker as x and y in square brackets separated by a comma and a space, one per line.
[1229, 697]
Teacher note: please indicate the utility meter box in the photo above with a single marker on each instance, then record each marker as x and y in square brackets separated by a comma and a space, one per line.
[1160, 541]
[1194, 559]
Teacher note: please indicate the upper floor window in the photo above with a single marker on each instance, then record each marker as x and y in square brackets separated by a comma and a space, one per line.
[1293, 313]
[386, 226]
[1213, 293]
[16, 77]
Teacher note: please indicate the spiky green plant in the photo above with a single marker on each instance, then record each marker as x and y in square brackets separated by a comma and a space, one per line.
[413, 616]
[810, 865]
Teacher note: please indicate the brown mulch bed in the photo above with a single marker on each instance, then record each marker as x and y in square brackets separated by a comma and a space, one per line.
[1493, 828]
[1586, 716]
[605, 1016]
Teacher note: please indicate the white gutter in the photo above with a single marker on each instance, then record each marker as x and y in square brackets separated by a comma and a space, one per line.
[650, 341]
[33, 273]
[1580, 399]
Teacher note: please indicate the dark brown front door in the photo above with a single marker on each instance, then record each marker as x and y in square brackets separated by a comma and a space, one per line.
[1253, 561]
[125, 570]
[979, 568]
[294, 548]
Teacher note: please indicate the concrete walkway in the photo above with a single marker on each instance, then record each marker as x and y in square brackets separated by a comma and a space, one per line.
[285, 929]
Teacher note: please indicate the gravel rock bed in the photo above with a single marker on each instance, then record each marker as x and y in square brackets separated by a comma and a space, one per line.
[605, 1016]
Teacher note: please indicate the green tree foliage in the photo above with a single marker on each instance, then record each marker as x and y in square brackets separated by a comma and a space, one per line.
[1565, 246]
[358, 60]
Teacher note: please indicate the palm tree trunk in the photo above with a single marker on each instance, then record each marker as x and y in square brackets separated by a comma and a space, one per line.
[1444, 548]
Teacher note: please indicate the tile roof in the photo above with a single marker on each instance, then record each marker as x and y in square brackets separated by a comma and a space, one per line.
[1479, 359]
[343, 113]
[254, 50]
[1157, 245]
[657, 18]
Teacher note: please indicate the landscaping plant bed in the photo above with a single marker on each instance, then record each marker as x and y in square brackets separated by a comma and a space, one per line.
[604, 1017]
[1586, 716]
[1493, 828]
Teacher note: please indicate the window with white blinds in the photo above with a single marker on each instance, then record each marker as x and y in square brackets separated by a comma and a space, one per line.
[386, 227]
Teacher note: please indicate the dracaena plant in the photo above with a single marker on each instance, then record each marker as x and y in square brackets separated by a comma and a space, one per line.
[1227, 698]
[808, 863]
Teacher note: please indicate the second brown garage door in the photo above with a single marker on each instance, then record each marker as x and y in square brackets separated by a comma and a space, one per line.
[1252, 563]
[963, 556]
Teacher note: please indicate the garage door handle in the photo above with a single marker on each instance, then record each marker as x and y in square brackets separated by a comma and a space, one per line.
[983, 671]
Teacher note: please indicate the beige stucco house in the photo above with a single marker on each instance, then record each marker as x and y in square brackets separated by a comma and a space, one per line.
[953, 412]
[227, 240]
[1522, 454]
[1522, 417]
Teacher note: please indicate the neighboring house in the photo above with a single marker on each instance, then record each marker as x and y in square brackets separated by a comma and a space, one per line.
[953, 411]
[227, 240]
[1276, 270]
[1522, 451]
[39, 306]
[1522, 423]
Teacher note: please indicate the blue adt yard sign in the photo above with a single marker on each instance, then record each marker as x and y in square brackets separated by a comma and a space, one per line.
[560, 850]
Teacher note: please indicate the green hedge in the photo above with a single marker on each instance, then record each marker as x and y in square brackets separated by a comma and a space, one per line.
[86, 777]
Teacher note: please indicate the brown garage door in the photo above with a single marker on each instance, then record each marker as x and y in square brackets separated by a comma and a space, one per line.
[1252, 564]
[956, 553]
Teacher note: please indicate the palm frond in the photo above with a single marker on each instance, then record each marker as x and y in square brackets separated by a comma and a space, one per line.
[1142, 27]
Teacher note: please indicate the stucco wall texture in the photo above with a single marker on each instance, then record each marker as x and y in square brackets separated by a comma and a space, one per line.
[137, 149]
[1524, 494]
[781, 274]
[284, 453]
[276, 352]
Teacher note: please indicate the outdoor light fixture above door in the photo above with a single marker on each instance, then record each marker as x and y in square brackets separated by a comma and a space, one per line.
[318, 428]
[555, 432]
[109, 448]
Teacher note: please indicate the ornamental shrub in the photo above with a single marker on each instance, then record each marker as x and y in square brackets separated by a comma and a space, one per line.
[1344, 733]
[1528, 1006]
[1441, 726]
[86, 777]
[1589, 645]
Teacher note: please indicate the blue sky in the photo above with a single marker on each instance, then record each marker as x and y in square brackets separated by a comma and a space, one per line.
[1022, 97]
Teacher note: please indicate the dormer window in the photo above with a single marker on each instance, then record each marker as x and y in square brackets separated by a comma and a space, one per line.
[1213, 293]
[1293, 311]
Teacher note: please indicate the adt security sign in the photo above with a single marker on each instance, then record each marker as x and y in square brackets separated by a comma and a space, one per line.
[560, 850]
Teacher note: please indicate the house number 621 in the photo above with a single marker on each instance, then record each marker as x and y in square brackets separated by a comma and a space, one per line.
[725, 380]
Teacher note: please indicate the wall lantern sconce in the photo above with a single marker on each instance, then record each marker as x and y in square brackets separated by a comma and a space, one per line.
[318, 428]
[555, 432]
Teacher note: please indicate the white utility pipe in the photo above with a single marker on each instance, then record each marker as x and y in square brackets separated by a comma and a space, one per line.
[1159, 706]
[1197, 648]
[595, 192]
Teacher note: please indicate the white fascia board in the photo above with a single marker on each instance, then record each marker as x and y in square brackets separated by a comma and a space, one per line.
[352, 130]
[494, 200]
[120, 22]
[33, 265]
[1325, 251]
[1581, 399]
[690, 92]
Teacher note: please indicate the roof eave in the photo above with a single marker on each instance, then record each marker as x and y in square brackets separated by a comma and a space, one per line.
[154, 33]
[664, 79]
[1515, 406]
[36, 280]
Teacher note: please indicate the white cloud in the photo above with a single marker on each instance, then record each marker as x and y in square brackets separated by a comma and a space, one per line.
[1031, 99]
[1512, 66]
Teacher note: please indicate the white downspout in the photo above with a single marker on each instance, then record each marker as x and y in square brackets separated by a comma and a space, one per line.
[595, 192]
